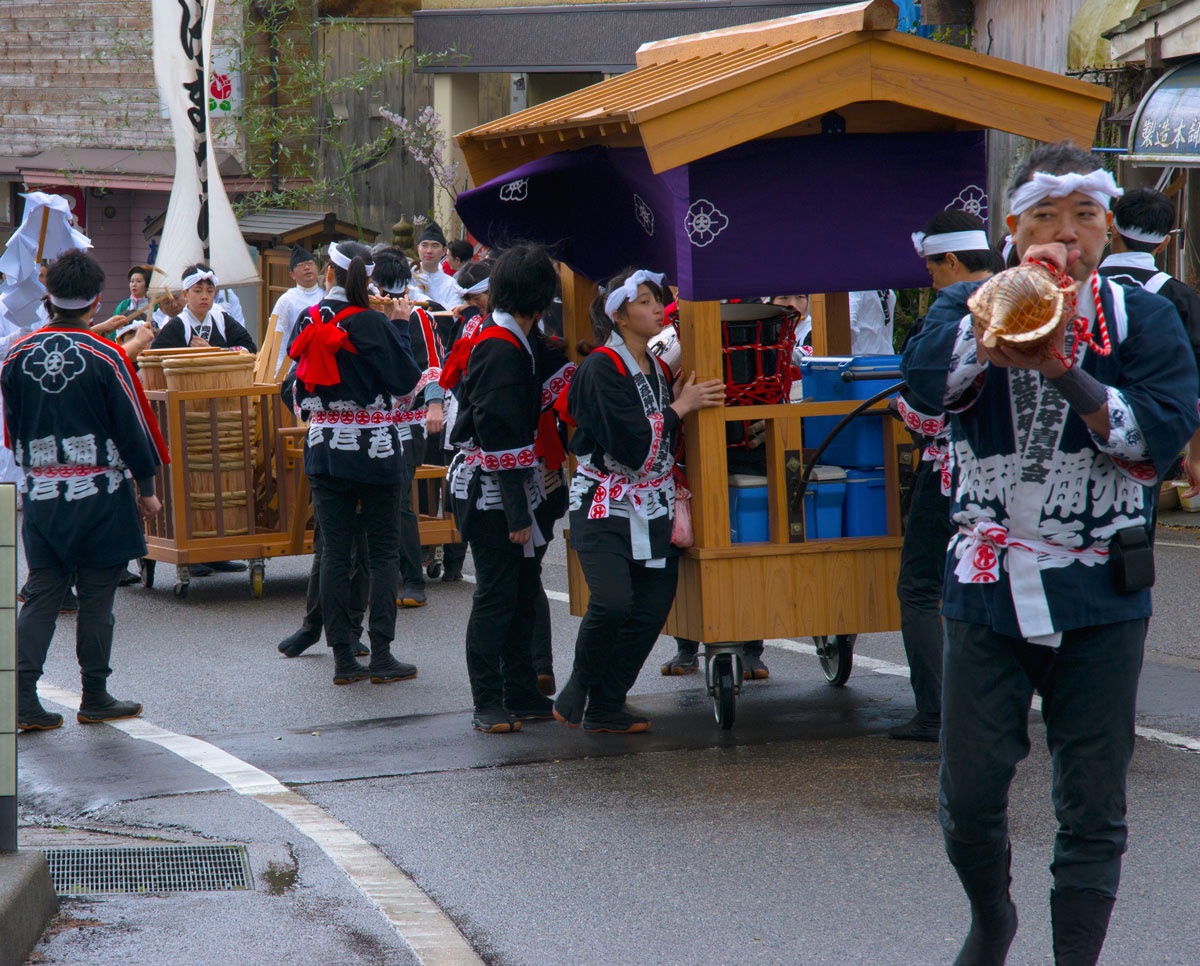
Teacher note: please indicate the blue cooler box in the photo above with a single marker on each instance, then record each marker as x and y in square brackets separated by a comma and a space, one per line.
[860, 444]
[748, 520]
[823, 499]
[866, 504]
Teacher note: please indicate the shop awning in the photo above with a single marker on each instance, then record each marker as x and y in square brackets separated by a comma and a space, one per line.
[1166, 127]
[1086, 44]
[112, 168]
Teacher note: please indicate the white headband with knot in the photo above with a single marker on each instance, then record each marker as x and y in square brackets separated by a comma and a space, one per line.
[1097, 185]
[342, 261]
[199, 276]
[477, 289]
[628, 291]
[71, 303]
[950, 241]
[1138, 235]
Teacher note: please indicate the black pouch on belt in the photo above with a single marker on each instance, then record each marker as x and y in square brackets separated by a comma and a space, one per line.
[1132, 560]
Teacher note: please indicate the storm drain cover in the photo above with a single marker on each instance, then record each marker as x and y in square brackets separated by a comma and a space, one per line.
[170, 868]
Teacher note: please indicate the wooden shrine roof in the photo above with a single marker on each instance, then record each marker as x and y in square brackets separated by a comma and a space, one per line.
[693, 96]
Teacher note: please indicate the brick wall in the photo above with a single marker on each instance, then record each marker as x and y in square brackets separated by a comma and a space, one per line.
[80, 73]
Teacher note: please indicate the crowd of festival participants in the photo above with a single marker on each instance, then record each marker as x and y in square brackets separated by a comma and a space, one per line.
[1026, 560]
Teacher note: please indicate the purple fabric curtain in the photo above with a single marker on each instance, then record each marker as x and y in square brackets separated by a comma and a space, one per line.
[779, 216]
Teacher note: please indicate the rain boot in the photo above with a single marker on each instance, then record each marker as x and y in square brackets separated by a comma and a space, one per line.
[384, 668]
[993, 915]
[98, 706]
[31, 716]
[1080, 922]
[346, 669]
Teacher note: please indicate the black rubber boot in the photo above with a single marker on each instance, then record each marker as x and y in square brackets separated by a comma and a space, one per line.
[385, 669]
[97, 707]
[347, 670]
[296, 644]
[31, 716]
[993, 915]
[1080, 922]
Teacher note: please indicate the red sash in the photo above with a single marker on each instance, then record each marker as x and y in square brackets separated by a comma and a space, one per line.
[317, 346]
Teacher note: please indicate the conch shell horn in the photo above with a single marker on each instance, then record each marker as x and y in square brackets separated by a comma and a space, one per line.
[1019, 307]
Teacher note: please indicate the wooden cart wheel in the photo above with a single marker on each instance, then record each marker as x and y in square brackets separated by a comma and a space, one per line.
[836, 654]
[257, 573]
[181, 590]
[146, 569]
[724, 691]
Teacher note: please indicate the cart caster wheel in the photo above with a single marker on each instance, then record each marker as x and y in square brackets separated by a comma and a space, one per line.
[434, 570]
[181, 590]
[256, 580]
[725, 689]
[146, 569]
[836, 654]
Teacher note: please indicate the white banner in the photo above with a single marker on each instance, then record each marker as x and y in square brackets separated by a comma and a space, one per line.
[200, 224]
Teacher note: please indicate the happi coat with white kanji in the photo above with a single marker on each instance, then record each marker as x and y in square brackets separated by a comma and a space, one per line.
[354, 423]
[81, 431]
[1036, 496]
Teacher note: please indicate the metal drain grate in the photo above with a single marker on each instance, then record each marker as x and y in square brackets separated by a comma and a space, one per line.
[169, 868]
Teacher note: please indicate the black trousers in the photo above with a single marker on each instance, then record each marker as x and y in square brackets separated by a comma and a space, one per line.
[627, 606]
[919, 587]
[360, 585]
[336, 505]
[411, 572]
[38, 618]
[500, 628]
[1089, 689]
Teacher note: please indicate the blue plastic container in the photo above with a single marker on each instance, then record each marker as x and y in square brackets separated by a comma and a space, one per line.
[748, 519]
[866, 504]
[859, 444]
[823, 500]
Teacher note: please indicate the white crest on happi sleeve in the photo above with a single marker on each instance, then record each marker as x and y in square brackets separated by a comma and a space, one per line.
[704, 222]
[515, 190]
[973, 200]
[644, 214]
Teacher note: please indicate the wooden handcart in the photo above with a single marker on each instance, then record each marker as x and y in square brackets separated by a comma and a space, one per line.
[235, 487]
[794, 155]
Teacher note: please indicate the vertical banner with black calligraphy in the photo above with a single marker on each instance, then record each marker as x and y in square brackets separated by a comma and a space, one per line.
[200, 224]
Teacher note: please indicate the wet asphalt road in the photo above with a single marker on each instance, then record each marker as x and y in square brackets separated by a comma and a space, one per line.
[803, 836]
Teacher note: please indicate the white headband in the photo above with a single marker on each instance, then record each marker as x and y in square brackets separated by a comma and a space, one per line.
[198, 276]
[1097, 185]
[477, 289]
[629, 290]
[950, 241]
[1008, 248]
[1137, 235]
[343, 262]
[72, 303]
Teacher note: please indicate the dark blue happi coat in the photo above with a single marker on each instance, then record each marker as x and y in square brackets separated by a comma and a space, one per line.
[1036, 496]
[79, 428]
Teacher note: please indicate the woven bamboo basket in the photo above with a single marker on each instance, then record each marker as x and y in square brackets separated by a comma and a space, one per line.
[150, 363]
[224, 370]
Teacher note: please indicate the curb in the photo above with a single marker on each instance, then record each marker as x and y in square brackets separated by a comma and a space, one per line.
[27, 904]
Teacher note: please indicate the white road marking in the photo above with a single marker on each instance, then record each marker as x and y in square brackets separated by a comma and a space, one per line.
[425, 929]
[901, 671]
[552, 594]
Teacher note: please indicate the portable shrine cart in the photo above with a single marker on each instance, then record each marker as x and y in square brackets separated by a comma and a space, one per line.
[794, 155]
